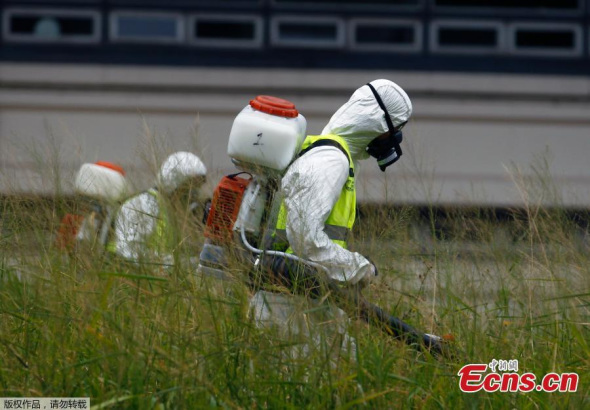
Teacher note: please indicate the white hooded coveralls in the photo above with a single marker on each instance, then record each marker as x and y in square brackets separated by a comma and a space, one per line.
[138, 217]
[313, 183]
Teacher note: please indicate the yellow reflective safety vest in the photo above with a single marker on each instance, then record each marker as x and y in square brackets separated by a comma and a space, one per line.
[161, 238]
[341, 218]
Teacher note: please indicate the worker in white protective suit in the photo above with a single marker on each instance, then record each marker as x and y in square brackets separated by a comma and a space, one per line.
[101, 187]
[318, 211]
[145, 228]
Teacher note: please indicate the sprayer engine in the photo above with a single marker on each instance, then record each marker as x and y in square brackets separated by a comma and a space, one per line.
[225, 208]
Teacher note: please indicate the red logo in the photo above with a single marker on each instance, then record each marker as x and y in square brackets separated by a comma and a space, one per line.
[473, 378]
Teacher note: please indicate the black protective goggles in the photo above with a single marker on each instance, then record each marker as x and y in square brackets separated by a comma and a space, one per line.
[386, 151]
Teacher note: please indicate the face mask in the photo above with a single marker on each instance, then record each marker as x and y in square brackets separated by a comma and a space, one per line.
[386, 151]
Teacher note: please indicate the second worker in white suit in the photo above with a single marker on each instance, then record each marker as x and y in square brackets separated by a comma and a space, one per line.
[145, 229]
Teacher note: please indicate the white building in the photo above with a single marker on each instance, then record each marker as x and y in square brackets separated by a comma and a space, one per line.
[494, 88]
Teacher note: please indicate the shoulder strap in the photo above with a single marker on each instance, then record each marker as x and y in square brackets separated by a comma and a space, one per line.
[330, 143]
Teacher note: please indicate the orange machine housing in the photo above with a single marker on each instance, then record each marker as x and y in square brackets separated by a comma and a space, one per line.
[225, 207]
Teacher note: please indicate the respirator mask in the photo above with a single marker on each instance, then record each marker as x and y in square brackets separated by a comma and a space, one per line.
[386, 151]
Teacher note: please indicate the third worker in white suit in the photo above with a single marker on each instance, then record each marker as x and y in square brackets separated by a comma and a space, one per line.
[319, 208]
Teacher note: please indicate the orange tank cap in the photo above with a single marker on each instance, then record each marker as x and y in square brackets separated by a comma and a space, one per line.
[112, 166]
[274, 106]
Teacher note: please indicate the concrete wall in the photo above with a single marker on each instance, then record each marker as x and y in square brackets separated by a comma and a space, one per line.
[467, 132]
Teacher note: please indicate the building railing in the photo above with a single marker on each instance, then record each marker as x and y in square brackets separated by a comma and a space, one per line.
[510, 29]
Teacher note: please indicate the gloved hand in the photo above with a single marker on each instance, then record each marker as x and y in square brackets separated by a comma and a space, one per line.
[375, 270]
[371, 273]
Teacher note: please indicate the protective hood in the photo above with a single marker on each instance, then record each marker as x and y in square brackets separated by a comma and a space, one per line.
[361, 120]
[179, 168]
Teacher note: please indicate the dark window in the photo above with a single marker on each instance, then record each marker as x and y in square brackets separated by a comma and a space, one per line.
[467, 36]
[25, 24]
[291, 31]
[225, 30]
[512, 4]
[374, 34]
[65, 25]
[558, 39]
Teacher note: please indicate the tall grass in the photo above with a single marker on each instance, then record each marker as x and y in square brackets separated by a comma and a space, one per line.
[147, 337]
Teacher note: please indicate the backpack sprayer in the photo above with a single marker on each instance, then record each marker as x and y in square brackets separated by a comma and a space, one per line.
[265, 138]
[102, 185]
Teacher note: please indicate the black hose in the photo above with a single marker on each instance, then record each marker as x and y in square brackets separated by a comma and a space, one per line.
[399, 329]
[301, 278]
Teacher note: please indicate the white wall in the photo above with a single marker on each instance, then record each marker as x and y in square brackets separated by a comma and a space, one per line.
[467, 129]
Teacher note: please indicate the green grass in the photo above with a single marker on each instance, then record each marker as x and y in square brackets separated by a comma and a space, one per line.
[139, 337]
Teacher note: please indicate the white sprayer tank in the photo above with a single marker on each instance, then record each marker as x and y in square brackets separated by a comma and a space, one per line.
[267, 133]
[101, 180]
